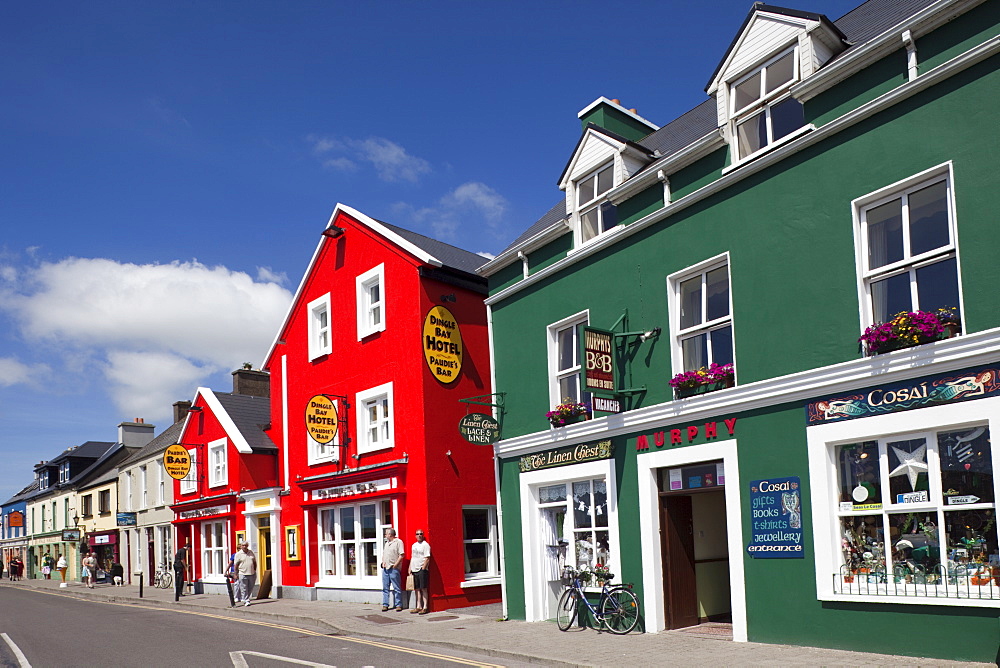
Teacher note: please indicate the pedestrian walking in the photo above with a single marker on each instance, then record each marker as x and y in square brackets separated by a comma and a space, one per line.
[182, 562]
[392, 558]
[90, 569]
[245, 563]
[420, 563]
[61, 566]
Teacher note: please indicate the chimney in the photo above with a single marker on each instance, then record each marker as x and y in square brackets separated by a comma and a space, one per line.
[252, 383]
[612, 116]
[181, 410]
[135, 434]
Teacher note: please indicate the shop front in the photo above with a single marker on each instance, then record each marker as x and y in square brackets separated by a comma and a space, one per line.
[207, 528]
[105, 545]
[261, 527]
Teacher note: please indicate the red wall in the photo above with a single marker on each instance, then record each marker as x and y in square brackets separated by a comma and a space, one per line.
[433, 486]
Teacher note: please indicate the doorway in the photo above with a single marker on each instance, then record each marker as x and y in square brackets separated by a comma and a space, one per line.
[694, 546]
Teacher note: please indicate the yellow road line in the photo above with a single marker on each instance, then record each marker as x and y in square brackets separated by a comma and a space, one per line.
[283, 627]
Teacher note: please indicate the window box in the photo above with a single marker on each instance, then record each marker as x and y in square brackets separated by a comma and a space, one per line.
[700, 381]
[910, 328]
[568, 412]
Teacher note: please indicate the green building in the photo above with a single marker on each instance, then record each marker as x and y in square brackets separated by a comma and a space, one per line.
[807, 489]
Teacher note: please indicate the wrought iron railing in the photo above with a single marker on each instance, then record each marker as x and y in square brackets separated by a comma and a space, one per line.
[955, 582]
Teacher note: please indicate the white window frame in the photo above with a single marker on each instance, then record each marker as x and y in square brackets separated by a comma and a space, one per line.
[322, 453]
[677, 335]
[64, 472]
[128, 491]
[218, 462]
[821, 443]
[320, 336]
[386, 437]
[214, 558]
[160, 486]
[339, 576]
[492, 572]
[189, 483]
[555, 374]
[763, 104]
[143, 488]
[866, 276]
[368, 309]
[595, 203]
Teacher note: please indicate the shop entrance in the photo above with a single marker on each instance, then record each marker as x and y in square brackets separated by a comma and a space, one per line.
[264, 555]
[694, 545]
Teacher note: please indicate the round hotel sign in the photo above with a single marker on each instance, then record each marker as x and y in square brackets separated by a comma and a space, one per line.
[321, 419]
[177, 461]
[443, 344]
[479, 429]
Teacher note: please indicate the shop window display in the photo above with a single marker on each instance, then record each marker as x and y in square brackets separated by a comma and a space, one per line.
[350, 539]
[576, 524]
[917, 516]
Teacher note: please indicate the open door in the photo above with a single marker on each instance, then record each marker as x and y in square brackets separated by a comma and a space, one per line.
[264, 561]
[680, 592]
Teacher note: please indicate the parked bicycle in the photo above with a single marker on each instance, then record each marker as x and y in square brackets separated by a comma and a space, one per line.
[163, 577]
[617, 607]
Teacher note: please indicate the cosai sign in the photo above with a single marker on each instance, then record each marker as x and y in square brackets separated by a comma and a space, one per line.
[443, 345]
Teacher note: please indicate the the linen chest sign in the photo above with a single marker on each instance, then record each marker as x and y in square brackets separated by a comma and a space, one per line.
[776, 519]
[572, 454]
[917, 393]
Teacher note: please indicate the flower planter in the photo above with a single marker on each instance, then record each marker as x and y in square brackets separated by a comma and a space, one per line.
[684, 392]
[573, 419]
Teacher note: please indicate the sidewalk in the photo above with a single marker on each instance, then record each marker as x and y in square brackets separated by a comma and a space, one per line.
[480, 630]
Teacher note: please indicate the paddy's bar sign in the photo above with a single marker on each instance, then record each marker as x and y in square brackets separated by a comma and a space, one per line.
[571, 454]
[598, 360]
[479, 429]
[918, 393]
[776, 519]
[443, 345]
[177, 461]
[321, 419]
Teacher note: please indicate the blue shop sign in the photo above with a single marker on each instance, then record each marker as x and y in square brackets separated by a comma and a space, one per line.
[126, 519]
[776, 519]
[964, 385]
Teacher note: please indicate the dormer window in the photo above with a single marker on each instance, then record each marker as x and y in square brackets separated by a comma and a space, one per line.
[596, 217]
[64, 472]
[43, 480]
[763, 111]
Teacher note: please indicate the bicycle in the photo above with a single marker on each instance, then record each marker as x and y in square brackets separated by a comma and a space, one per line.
[617, 609]
[163, 577]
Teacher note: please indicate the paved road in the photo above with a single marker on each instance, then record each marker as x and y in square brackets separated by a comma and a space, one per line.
[61, 630]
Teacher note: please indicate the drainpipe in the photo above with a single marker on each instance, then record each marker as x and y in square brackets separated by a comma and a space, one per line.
[911, 55]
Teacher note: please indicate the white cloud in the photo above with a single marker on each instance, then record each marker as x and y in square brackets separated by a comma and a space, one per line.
[8, 273]
[15, 372]
[468, 204]
[154, 330]
[391, 161]
[267, 275]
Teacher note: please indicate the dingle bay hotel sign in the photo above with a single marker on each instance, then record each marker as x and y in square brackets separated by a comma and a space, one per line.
[571, 454]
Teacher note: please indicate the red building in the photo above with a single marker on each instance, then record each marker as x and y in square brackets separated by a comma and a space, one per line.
[231, 490]
[386, 334]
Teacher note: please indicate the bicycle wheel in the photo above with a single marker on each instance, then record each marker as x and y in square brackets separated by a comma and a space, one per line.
[620, 610]
[166, 579]
[567, 609]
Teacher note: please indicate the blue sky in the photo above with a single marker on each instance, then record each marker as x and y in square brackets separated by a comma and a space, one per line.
[166, 168]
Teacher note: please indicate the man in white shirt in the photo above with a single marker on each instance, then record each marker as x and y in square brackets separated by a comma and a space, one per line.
[245, 563]
[420, 562]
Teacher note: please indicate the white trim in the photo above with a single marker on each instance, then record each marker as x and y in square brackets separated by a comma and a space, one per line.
[533, 585]
[491, 542]
[897, 95]
[673, 303]
[649, 528]
[284, 420]
[791, 136]
[822, 472]
[361, 418]
[212, 446]
[931, 358]
[225, 421]
[317, 348]
[362, 284]
[552, 352]
[468, 583]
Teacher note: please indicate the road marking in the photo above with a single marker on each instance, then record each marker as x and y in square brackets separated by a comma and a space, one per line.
[240, 662]
[18, 654]
[283, 627]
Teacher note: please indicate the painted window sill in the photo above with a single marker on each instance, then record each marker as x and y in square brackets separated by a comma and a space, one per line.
[480, 582]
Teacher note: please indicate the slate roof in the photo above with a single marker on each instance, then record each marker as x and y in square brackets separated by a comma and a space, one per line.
[105, 469]
[860, 25]
[24, 494]
[167, 437]
[90, 449]
[251, 415]
[451, 256]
